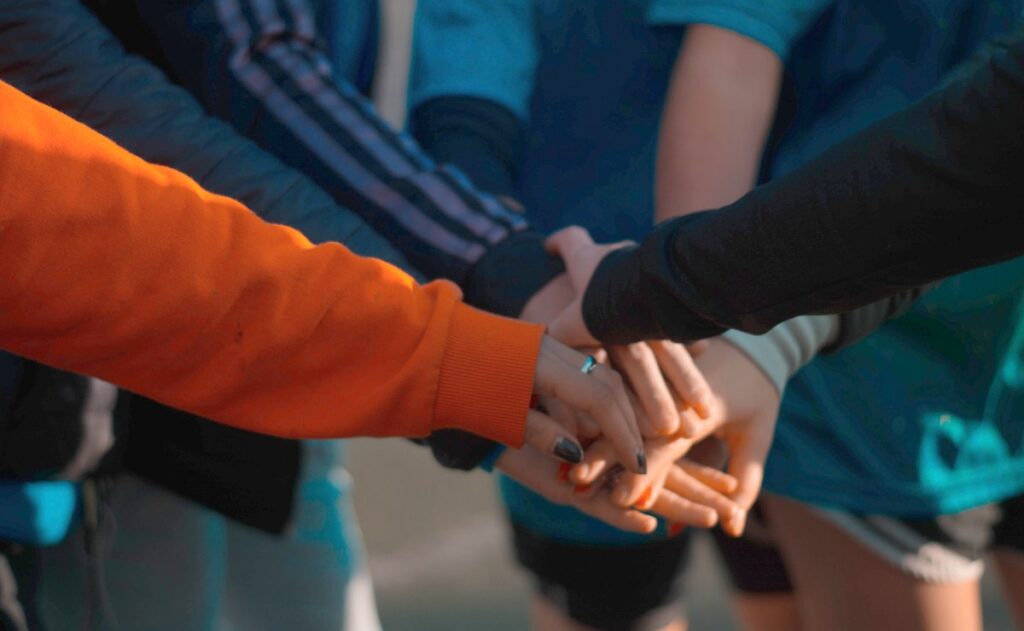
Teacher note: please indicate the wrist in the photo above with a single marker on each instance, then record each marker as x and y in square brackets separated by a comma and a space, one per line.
[486, 378]
[785, 349]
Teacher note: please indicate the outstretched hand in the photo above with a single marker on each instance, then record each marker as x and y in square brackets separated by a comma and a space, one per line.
[581, 256]
[743, 413]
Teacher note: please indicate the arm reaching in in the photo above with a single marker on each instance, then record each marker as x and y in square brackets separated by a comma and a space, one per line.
[131, 272]
[926, 193]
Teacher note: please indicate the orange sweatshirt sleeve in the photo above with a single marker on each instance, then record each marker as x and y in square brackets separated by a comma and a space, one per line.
[131, 272]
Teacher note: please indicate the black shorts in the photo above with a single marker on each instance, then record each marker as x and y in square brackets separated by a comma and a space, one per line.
[633, 588]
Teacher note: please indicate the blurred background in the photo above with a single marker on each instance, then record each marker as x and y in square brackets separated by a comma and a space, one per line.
[437, 543]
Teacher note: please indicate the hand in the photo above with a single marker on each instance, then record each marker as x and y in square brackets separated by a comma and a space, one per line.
[665, 380]
[676, 501]
[699, 490]
[600, 395]
[581, 256]
[662, 374]
[743, 413]
[545, 476]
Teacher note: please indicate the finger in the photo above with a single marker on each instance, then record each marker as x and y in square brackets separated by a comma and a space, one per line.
[566, 243]
[561, 413]
[640, 490]
[597, 459]
[601, 394]
[642, 420]
[747, 454]
[566, 240]
[698, 348]
[710, 477]
[639, 365]
[588, 429]
[683, 485]
[622, 518]
[685, 377]
[547, 436]
[680, 510]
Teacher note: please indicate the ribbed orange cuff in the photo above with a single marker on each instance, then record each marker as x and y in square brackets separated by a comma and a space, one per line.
[487, 375]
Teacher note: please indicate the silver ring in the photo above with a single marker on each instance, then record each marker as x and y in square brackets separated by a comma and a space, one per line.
[589, 364]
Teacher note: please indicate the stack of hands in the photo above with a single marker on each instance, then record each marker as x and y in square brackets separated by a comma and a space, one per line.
[683, 433]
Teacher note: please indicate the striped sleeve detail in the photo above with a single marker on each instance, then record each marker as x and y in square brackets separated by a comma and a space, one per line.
[430, 209]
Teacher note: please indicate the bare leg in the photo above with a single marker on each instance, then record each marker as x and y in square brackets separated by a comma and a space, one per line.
[1011, 574]
[842, 585]
[766, 612]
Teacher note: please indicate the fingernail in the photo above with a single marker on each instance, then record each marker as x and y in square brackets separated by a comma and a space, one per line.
[641, 462]
[568, 450]
[582, 471]
[675, 529]
[644, 499]
[582, 488]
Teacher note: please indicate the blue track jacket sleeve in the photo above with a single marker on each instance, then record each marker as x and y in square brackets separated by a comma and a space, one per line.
[260, 66]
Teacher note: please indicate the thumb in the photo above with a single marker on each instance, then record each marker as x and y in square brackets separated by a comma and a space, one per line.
[567, 240]
[546, 435]
[748, 452]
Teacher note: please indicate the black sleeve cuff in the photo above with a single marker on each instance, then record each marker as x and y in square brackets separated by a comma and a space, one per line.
[480, 137]
[503, 281]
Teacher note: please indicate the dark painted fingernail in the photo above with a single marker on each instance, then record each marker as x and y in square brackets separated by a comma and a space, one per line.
[568, 450]
[641, 461]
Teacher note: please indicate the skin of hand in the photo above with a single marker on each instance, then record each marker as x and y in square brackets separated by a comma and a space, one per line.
[581, 256]
[676, 501]
[700, 490]
[743, 415]
[600, 395]
[663, 374]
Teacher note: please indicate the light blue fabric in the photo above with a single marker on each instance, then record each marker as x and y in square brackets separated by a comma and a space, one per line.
[926, 416]
[37, 513]
[482, 49]
[774, 23]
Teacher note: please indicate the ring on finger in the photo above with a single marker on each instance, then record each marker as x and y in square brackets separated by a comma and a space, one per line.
[589, 364]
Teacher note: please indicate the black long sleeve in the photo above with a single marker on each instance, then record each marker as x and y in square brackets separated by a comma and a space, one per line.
[924, 194]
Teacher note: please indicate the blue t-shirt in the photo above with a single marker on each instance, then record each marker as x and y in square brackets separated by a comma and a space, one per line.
[590, 79]
[926, 415]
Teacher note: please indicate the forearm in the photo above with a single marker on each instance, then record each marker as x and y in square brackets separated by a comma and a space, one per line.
[717, 116]
[131, 272]
[924, 194]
